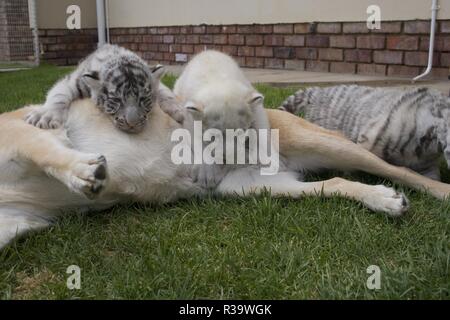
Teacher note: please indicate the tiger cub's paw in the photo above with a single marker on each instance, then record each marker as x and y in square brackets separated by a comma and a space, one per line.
[46, 118]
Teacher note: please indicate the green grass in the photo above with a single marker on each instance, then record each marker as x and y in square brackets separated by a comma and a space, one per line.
[255, 248]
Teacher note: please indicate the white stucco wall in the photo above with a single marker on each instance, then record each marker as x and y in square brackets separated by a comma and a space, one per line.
[138, 13]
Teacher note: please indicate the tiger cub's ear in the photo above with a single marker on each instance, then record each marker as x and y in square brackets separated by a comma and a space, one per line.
[158, 71]
[92, 79]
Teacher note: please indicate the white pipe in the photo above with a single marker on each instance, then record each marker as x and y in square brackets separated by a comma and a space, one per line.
[107, 21]
[33, 25]
[101, 22]
[434, 9]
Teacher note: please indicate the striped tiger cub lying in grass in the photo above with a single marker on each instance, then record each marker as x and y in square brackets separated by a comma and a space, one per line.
[404, 127]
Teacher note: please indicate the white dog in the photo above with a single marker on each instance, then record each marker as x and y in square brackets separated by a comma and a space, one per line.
[45, 172]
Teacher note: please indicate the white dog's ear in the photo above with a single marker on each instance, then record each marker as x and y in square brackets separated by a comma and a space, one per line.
[158, 71]
[256, 99]
[195, 110]
[92, 79]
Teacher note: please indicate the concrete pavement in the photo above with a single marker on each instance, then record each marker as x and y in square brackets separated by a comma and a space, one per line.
[304, 78]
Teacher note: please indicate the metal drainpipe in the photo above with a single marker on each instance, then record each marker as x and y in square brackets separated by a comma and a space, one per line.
[101, 22]
[434, 9]
[34, 29]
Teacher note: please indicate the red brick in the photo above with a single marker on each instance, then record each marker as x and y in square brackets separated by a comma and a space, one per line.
[56, 32]
[174, 30]
[388, 57]
[332, 27]
[358, 55]
[283, 28]
[284, 52]
[419, 59]
[174, 48]
[441, 43]
[206, 39]
[331, 54]
[263, 28]
[186, 29]
[199, 48]
[231, 50]
[220, 39]
[302, 28]
[236, 39]
[168, 39]
[445, 26]
[317, 41]
[294, 64]
[273, 40]
[294, 41]
[372, 69]
[198, 29]
[264, 52]
[307, 53]
[342, 67]
[445, 59]
[355, 27]
[274, 63]
[180, 39]
[402, 43]
[229, 29]
[403, 71]
[163, 48]
[389, 27]
[342, 41]
[187, 48]
[163, 30]
[148, 47]
[245, 29]
[417, 27]
[246, 51]
[254, 40]
[213, 29]
[253, 62]
[318, 66]
[370, 42]
[192, 39]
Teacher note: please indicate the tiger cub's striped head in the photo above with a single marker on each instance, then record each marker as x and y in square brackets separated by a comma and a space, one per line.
[125, 88]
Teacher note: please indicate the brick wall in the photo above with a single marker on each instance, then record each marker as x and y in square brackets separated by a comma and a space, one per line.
[398, 49]
[16, 40]
[66, 47]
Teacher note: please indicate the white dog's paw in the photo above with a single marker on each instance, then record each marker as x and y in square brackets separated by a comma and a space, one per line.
[89, 176]
[46, 118]
[384, 199]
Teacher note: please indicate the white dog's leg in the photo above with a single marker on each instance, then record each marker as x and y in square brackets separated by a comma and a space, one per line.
[15, 222]
[377, 198]
[82, 173]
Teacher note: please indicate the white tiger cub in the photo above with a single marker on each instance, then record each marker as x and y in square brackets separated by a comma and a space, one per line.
[404, 127]
[215, 91]
[120, 83]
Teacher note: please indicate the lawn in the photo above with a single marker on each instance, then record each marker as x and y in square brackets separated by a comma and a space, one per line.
[256, 248]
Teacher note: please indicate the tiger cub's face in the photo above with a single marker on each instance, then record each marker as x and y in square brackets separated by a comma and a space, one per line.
[126, 91]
